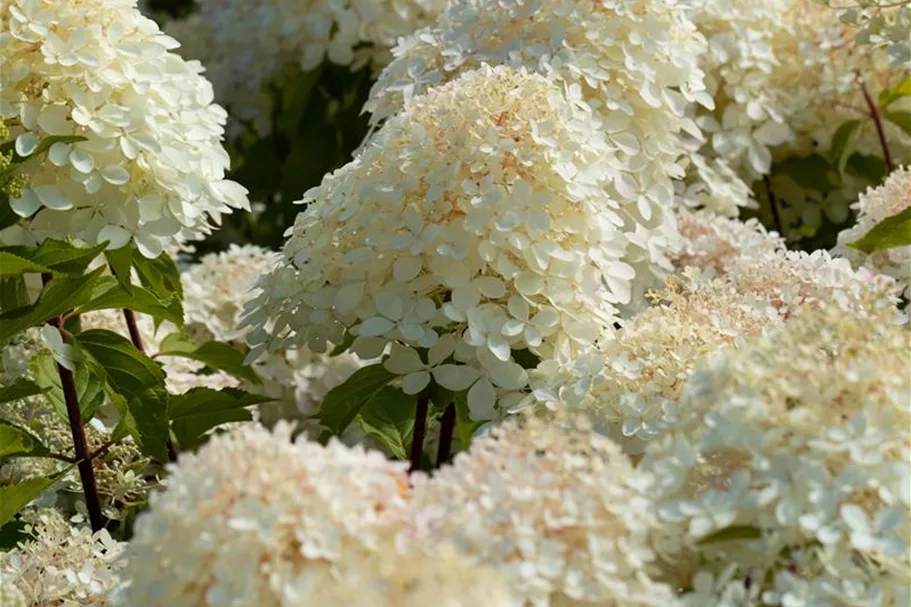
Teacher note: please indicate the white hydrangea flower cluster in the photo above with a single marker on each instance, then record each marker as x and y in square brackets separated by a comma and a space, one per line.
[413, 579]
[784, 77]
[61, 564]
[712, 184]
[799, 454]
[873, 206]
[476, 223]
[151, 167]
[545, 501]
[215, 292]
[229, 508]
[14, 356]
[635, 63]
[880, 23]
[246, 46]
[632, 382]
[712, 242]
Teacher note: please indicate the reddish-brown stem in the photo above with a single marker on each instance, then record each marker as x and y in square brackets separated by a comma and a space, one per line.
[77, 429]
[420, 428]
[447, 429]
[773, 204]
[878, 123]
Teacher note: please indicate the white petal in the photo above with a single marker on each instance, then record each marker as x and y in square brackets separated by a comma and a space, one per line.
[455, 377]
[406, 268]
[499, 346]
[349, 297]
[115, 235]
[376, 326]
[26, 205]
[441, 350]
[481, 400]
[26, 144]
[53, 198]
[403, 360]
[390, 305]
[59, 154]
[115, 174]
[415, 382]
[82, 161]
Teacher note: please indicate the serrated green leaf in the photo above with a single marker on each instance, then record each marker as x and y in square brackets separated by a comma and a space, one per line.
[159, 275]
[89, 385]
[388, 416]
[843, 143]
[14, 498]
[19, 441]
[891, 232]
[46, 143]
[13, 265]
[13, 293]
[871, 168]
[201, 409]
[109, 293]
[732, 534]
[21, 388]
[214, 354]
[59, 296]
[902, 89]
[136, 378]
[59, 257]
[900, 118]
[342, 404]
[121, 262]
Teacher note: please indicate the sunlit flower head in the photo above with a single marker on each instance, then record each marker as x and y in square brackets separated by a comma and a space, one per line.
[477, 223]
[148, 164]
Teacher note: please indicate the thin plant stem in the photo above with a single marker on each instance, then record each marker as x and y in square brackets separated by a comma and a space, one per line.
[773, 204]
[447, 428]
[136, 337]
[420, 429]
[77, 429]
[878, 123]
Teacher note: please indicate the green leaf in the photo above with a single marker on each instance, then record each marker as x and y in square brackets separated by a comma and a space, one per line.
[89, 385]
[809, 172]
[159, 275]
[295, 97]
[13, 265]
[139, 380]
[214, 354]
[46, 143]
[388, 416]
[732, 534]
[109, 293]
[526, 358]
[59, 296]
[344, 402]
[900, 118]
[201, 409]
[843, 143]
[11, 534]
[867, 166]
[465, 426]
[121, 260]
[21, 388]
[8, 216]
[13, 293]
[19, 441]
[14, 498]
[59, 257]
[902, 89]
[889, 233]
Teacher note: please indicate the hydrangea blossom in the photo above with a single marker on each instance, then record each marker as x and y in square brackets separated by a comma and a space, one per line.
[476, 223]
[61, 563]
[545, 501]
[875, 205]
[784, 78]
[247, 45]
[797, 448]
[635, 63]
[149, 165]
[632, 381]
[285, 513]
[711, 242]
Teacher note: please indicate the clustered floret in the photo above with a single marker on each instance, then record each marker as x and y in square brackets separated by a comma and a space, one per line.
[140, 158]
